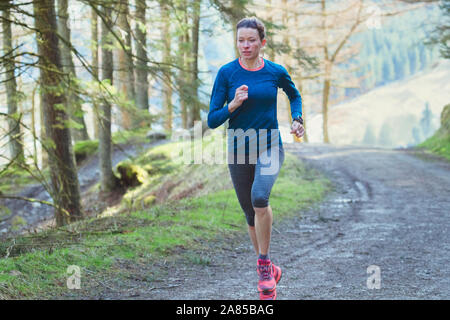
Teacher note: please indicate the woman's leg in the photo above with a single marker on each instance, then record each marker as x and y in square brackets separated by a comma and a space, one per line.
[266, 172]
[252, 234]
[263, 228]
[242, 176]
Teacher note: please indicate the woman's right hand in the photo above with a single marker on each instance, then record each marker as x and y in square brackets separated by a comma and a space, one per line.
[240, 96]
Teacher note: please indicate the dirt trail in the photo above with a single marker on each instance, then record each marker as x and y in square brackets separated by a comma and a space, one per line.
[390, 209]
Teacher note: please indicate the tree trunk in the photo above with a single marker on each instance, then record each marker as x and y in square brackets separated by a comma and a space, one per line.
[238, 7]
[142, 85]
[331, 57]
[271, 48]
[126, 65]
[15, 137]
[33, 123]
[66, 192]
[327, 82]
[108, 180]
[73, 100]
[167, 86]
[42, 134]
[325, 96]
[287, 60]
[181, 79]
[194, 113]
[94, 50]
[183, 58]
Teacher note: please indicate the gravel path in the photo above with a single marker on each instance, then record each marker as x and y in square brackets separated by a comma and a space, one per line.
[390, 210]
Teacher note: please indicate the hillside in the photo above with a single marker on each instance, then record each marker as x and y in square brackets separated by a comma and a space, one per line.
[397, 108]
[439, 143]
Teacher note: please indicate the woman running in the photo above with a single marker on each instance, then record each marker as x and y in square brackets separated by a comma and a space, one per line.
[249, 85]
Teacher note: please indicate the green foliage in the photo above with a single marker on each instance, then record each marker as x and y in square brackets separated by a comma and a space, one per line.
[72, 124]
[84, 149]
[441, 33]
[137, 135]
[439, 143]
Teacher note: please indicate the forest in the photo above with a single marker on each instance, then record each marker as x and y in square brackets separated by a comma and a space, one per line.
[80, 75]
[94, 95]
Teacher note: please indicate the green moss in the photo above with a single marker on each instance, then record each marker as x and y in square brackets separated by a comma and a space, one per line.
[17, 222]
[149, 200]
[84, 149]
[131, 174]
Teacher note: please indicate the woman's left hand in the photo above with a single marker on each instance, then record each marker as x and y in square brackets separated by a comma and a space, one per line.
[297, 129]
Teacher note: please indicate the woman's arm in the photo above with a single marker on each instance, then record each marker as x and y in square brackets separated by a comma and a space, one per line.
[286, 83]
[295, 99]
[218, 114]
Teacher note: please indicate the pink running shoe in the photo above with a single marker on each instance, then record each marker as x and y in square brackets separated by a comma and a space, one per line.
[266, 282]
[276, 273]
[271, 296]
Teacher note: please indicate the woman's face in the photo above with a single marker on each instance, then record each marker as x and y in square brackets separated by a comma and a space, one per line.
[248, 42]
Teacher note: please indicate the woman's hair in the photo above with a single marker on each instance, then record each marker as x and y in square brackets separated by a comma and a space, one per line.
[253, 23]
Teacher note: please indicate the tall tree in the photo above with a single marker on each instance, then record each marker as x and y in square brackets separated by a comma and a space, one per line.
[15, 137]
[167, 86]
[287, 57]
[42, 134]
[65, 187]
[183, 53]
[94, 63]
[108, 180]
[271, 50]
[331, 55]
[194, 112]
[141, 55]
[238, 13]
[126, 65]
[78, 128]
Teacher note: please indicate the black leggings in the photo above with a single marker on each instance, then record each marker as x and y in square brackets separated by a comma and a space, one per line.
[253, 182]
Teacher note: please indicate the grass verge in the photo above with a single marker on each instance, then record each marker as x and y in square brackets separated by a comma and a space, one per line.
[439, 143]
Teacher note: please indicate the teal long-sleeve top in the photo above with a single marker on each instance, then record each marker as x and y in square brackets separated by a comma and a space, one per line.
[259, 111]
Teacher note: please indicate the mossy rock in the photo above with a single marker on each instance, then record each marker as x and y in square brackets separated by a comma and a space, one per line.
[152, 169]
[84, 149]
[149, 200]
[131, 175]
